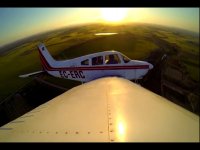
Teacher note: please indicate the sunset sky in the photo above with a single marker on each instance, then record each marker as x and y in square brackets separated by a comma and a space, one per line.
[17, 23]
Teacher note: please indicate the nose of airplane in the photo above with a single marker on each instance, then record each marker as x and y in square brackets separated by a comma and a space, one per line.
[150, 66]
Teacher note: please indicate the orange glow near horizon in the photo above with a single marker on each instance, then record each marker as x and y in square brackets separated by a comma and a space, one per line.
[36, 20]
[114, 15]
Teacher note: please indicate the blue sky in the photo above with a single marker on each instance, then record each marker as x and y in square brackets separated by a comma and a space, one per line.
[17, 23]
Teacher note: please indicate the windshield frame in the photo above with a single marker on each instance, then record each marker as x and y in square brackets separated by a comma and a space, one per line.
[125, 59]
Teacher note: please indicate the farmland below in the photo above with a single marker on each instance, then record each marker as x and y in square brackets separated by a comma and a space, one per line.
[173, 52]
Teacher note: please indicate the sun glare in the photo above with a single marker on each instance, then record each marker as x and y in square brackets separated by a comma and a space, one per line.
[113, 14]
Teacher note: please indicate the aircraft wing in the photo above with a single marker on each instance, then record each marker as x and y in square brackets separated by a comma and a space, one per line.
[31, 74]
[105, 110]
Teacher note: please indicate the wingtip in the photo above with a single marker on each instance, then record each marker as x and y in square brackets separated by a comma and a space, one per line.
[22, 76]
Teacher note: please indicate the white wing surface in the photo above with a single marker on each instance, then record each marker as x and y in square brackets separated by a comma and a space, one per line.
[105, 110]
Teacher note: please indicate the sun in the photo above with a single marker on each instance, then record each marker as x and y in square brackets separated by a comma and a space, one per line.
[113, 14]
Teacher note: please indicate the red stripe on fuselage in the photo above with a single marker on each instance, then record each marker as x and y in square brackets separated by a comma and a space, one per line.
[47, 66]
[43, 64]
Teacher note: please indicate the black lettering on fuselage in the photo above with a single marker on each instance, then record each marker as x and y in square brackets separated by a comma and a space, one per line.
[81, 74]
[72, 74]
[61, 74]
[76, 74]
[65, 74]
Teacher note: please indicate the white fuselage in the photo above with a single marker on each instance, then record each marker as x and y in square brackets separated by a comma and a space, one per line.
[84, 68]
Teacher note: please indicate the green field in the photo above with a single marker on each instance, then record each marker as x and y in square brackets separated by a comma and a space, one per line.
[128, 44]
[132, 40]
[189, 49]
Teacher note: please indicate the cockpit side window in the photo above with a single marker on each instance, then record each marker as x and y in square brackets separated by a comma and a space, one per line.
[97, 60]
[85, 62]
[112, 59]
[125, 59]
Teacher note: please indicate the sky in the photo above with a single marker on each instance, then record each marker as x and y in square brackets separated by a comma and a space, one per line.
[17, 23]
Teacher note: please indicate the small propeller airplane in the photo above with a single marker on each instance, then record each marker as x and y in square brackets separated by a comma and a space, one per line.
[90, 67]
[109, 109]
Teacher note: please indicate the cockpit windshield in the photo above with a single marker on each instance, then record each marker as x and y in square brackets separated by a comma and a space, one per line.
[125, 59]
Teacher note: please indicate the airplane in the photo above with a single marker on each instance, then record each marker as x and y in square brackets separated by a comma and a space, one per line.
[107, 109]
[89, 67]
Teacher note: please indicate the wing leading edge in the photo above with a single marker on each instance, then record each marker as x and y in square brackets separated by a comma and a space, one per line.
[105, 110]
